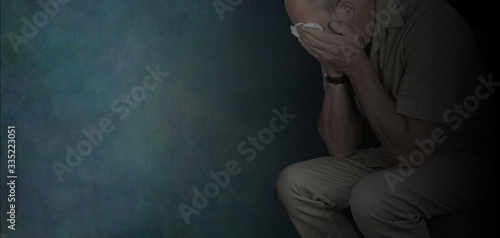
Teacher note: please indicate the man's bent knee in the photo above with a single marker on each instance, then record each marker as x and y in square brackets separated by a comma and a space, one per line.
[371, 202]
[289, 182]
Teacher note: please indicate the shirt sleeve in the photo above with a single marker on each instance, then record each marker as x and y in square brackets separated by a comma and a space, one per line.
[440, 56]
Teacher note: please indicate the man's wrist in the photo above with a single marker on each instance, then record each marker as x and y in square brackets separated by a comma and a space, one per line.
[342, 79]
[363, 64]
[333, 73]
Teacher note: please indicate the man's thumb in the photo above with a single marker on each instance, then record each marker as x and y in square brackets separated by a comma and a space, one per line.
[336, 27]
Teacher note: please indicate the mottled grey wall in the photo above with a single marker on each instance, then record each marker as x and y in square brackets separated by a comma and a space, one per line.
[123, 108]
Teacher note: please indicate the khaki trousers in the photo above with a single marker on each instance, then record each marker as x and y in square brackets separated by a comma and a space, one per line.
[385, 201]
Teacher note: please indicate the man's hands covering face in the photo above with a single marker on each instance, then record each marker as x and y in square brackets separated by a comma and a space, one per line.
[342, 50]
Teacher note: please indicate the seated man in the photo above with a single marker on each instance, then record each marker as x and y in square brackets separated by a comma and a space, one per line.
[411, 68]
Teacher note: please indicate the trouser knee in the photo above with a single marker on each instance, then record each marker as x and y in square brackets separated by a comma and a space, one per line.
[287, 184]
[371, 202]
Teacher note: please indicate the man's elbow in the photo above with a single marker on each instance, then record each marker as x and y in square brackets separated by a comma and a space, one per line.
[341, 154]
[338, 151]
[342, 146]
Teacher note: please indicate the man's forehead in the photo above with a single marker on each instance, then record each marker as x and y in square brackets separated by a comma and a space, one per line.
[302, 11]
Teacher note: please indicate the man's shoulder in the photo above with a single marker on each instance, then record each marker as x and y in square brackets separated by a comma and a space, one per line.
[431, 13]
[428, 23]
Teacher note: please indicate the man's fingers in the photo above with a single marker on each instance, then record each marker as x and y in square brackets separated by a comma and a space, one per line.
[342, 32]
[320, 35]
[328, 47]
[305, 45]
[305, 41]
[317, 53]
[318, 39]
[343, 29]
[321, 44]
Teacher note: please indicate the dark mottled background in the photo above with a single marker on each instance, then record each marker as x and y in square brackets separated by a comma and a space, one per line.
[226, 75]
[225, 78]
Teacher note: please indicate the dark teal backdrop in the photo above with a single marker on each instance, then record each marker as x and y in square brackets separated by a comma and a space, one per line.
[122, 109]
[157, 118]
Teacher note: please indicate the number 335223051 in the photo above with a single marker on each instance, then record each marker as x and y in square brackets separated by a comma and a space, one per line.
[11, 148]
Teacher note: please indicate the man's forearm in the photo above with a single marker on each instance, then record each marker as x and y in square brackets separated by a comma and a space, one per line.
[392, 129]
[339, 126]
[341, 51]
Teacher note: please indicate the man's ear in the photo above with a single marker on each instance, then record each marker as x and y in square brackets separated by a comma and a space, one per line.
[346, 10]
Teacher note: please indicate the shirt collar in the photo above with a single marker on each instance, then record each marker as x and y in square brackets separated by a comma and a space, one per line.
[389, 13]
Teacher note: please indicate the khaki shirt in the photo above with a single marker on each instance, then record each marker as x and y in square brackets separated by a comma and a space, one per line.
[425, 56]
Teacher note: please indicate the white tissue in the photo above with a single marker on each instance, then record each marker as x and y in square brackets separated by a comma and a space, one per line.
[311, 25]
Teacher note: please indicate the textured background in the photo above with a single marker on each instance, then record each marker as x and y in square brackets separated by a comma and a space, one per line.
[225, 78]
